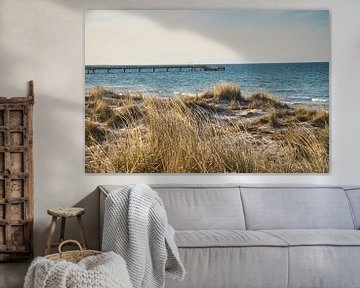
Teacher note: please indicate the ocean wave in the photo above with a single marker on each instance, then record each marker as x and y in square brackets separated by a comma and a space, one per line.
[185, 93]
[285, 90]
[295, 102]
[322, 100]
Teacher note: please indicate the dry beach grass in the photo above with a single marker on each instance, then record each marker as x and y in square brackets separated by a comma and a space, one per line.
[217, 131]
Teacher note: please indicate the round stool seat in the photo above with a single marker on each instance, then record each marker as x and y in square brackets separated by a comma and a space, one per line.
[66, 211]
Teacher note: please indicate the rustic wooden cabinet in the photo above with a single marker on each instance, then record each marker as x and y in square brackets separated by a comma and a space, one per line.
[16, 177]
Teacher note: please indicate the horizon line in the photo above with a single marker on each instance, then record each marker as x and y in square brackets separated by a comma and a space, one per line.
[203, 63]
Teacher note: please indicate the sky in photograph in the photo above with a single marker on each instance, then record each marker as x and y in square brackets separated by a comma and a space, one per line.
[129, 37]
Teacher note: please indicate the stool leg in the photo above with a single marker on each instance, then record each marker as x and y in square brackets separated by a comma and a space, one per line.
[62, 230]
[51, 235]
[82, 232]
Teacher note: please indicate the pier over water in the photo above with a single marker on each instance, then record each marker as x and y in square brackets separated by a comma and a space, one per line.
[153, 68]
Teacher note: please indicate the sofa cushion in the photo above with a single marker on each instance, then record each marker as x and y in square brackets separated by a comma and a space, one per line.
[226, 238]
[354, 198]
[199, 207]
[223, 267]
[322, 258]
[296, 208]
[204, 208]
[317, 237]
[324, 266]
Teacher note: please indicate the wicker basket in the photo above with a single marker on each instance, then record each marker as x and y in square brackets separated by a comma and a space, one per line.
[72, 256]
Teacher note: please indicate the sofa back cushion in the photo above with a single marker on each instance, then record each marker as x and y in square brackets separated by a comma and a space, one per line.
[203, 208]
[296, 208]
[354, 198]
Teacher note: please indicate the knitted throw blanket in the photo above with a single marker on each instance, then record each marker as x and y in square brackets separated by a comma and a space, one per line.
[103, 271]
[136, 227]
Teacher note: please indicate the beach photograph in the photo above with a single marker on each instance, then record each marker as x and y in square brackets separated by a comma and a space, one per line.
[207, 91]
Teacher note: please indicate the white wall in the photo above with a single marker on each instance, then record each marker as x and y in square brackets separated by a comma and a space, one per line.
[43, 40]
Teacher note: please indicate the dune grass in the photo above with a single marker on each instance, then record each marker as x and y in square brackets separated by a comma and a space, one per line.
[185, 134]
[174, 141]
[225, 91]
[317, 117]
[262, 99]
[94, 132]
[308, 149]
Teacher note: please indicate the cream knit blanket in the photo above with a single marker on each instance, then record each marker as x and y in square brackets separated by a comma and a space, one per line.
[103, 271]
[136, 227]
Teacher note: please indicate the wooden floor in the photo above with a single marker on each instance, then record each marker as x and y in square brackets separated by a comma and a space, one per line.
[12, 274]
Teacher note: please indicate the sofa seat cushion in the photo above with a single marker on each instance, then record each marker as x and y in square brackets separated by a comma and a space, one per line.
[322, 258]
[225, 238]
[317, 237]
[233, 267]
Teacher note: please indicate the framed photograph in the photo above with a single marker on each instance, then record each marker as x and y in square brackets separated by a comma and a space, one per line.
[207, 91]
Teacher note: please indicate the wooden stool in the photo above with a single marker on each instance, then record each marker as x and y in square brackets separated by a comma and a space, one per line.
[64, 213]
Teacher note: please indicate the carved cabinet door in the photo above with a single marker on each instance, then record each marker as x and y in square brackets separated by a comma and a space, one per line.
[16, 178]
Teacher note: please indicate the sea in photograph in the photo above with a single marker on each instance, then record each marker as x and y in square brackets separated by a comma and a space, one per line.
[293, 83]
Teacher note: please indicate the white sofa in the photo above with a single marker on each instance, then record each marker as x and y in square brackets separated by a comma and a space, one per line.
[263, 237]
